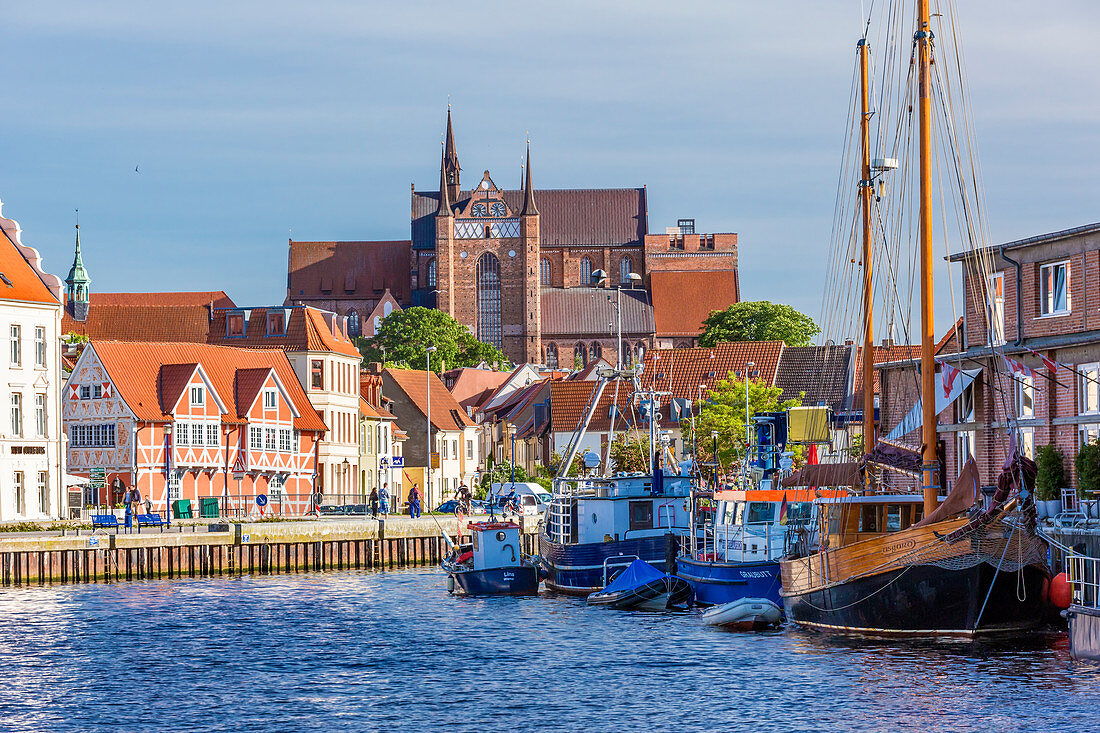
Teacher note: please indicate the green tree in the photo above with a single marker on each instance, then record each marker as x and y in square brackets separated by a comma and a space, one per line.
[499, 473]
[629, 452]
[758, 321]
[1087, 463]
[404, 335]
[724, 413]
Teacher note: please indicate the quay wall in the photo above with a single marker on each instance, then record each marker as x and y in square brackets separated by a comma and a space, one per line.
[246, 548]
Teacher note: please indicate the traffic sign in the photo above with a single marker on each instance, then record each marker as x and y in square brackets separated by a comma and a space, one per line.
[261, 500]
[435, 461]
[397, 462]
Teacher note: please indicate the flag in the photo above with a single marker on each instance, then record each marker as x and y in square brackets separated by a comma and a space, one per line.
[783, 509]
[1017, 367]
[949, 375]
[1049, 363]
[811, 458]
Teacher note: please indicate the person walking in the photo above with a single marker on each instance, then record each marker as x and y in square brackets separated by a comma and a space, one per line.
[128, 506]
[414, 502]
[384, 498]
[374, 502]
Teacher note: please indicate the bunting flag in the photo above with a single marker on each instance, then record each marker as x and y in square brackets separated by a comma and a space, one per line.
[1049, 363]
[783, 509]
[950, 374]
[1017, 367]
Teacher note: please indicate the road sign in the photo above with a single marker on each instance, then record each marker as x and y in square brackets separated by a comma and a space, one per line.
[238, 475]
[397, 462]
[261, 500]
[383, 462]
[435, 461]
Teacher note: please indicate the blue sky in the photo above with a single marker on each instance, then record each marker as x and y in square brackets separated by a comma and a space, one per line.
[254, 121]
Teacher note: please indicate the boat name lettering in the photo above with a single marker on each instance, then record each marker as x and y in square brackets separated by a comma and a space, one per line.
[898, 547]
[755, 574]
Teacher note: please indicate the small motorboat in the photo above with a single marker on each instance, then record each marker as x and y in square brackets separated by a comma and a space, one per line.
[492, 564]
[642, 586]
[744, 614]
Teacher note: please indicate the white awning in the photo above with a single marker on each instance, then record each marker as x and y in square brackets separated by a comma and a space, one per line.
[913, 420]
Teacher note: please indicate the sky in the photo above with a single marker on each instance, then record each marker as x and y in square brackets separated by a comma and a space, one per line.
[252, 122]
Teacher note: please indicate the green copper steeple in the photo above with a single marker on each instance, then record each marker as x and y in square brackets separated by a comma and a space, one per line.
[77, 285]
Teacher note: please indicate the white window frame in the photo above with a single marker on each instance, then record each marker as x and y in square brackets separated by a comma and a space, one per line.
[966, 400]
[16, 345]
[182, 433]
[255, 437]
[85, 392]
[40, 423]
[1088, 389]
[1026, 442]
[1046, 291]
[964, 446]
[198, 434]
[271, 399]
[995, 308]
[44, 492]
[97, 391]
[16, 415]
[198, 395]
[174, 480]
[271, 440]
[40, 347]
[1025, 396]
[213, 434]
[1088, 432]
[286, 444]
[20, 493]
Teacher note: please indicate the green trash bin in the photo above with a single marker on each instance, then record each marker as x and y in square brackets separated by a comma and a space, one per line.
[181, 508]
[208, 507]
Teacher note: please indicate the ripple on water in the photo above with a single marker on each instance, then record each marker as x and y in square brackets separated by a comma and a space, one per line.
[370, 650]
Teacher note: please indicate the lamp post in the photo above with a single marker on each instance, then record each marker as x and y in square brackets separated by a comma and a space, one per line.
[694, 442]
[748, 429]
[167, 472]
[599, 277]
[431, 453]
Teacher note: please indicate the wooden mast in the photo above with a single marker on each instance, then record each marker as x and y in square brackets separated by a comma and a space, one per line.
[865, 188]
[927, 321]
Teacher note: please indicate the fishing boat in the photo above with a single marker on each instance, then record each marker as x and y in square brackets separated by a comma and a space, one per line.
[640, 586]
[594, 526]
[893, 563]
[744, 614]
[492, 564]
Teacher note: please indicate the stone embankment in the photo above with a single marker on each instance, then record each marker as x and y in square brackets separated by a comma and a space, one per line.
[200, 550]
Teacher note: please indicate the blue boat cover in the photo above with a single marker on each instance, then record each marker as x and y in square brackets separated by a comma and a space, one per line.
[636, 574]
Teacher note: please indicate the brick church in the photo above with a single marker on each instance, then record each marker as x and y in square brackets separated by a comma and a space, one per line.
[517, 267]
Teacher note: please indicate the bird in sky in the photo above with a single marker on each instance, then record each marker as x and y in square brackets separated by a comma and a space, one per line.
[136, 170]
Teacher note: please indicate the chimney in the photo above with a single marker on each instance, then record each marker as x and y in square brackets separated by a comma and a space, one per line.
[887, 342]
[375, 367]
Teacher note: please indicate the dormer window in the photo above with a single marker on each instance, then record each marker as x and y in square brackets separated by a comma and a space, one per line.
[270, 399]
[234, 325]
[276, 324]
[198, 396]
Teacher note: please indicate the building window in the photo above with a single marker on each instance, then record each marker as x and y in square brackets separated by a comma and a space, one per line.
[85, 392]
[97, 391]
[431, 273]
[40, 415]
[586, 272]
[639, 352]
[1054, 287]
[1089, 433]
[16, 415]
[596, 351]
[276, 323]
[284, 440]
[277, 486]
[196, 433]
[488, 300]
[1027, 442]
[1025, 396]
[39, 347]
[552, 356]
[182, 431]
[316, 374]
[469, 450]
[198, 398]
[964, 406]
[16, 346]
[1088, 389]
[234, 325]
[995, 303]
[546, 271]
[355, 325]
[626, 266]
[270, 399]
[174, 485]
[212, 437]
[443, 446]
[965, 442]
[20, 493]
[580, 355]
[43, 492]
[269, 439]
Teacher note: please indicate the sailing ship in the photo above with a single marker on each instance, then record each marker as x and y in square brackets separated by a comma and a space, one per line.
[905, 564]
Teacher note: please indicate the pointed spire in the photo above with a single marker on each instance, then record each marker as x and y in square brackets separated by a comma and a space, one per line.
[529, 208]
[77, 284]
[450, 160]
[444, 195]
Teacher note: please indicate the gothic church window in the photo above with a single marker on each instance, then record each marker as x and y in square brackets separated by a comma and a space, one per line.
[625, 268]
[488, 300]
[586, 272]
[552, 356]
[580, 355]
[596, 351]
[545, 271]
[431, 273]
[354, 327]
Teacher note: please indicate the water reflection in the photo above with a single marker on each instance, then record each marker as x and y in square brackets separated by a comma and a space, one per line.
[367, 650]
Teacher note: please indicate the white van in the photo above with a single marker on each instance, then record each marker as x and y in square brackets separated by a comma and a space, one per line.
[532, 497]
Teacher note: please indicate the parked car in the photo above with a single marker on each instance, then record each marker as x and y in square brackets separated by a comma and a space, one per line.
[476, 507]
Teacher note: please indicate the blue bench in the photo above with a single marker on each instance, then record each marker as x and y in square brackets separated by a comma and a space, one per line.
[104, 521]
[149, 520]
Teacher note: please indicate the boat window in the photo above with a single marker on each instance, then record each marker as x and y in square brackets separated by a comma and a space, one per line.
[641, 515]
[800, 512]
[868, 518]
[893, 518]
[727, 512]
[760, 512]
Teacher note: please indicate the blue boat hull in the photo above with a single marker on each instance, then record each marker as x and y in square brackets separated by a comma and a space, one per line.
[522, 580]
[716, 583]
[579, 569]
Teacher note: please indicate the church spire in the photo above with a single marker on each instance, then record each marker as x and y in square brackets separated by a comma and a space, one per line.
[77, 285]
[444, 194]
[529, 208]
[451, 169]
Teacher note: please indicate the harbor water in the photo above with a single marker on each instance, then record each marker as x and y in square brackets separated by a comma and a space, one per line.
[366, 650]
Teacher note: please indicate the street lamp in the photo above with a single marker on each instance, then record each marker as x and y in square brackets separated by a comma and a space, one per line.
[598, 278]
[431, 453]
[167, 473]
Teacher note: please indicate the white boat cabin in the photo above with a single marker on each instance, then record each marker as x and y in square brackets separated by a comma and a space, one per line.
[621, 507]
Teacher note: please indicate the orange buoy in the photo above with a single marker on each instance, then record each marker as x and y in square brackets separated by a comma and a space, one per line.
[1061, 592]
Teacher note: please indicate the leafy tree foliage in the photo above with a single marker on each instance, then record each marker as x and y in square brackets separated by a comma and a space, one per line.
[404, 334]
[758, 321]
[724, 413]
[499, 473]
[629, 452]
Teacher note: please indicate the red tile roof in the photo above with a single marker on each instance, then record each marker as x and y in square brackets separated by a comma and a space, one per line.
[356, 270]
[249, 384]
[142, 323]
[681, 371]
[306, 328]
[135, 369]
[683, 300]
[568, 398]
[470, 386]
[447, 414]
[881, 355]
[217, 298]
[951, 343]
[171, 381]
[20, 281]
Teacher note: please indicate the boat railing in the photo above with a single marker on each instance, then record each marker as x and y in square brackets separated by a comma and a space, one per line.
[1084, 577]
[617, 561]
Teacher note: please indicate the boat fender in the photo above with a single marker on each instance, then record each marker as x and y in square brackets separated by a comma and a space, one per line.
[450, 584]
[1061, 592]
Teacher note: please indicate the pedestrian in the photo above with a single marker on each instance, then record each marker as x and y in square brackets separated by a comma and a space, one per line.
[384, 498]
[127, 504]
[414, 502]
[374, 502]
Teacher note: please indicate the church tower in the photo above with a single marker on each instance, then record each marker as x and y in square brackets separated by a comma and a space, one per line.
[529, 234]
[444, 232]
[451, 169]
[77, 286]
